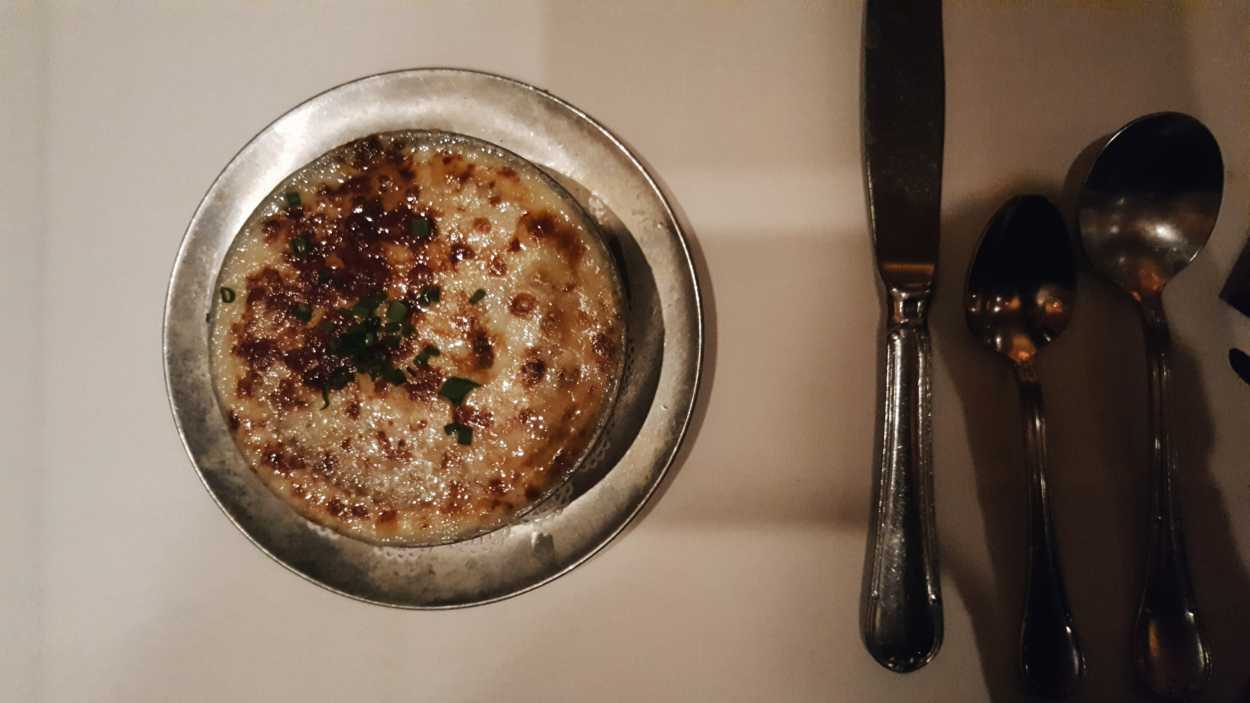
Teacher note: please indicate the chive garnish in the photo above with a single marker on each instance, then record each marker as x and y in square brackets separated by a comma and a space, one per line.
[300, 245]
[396, 311]
[227, 295]
[420, 227]
[302, 312]
[477, 296]
[429, 295]
[292, 198]
[423, 359]
[394, 375]
[464, 434]
[456, 389]
[337, 381]
[369, 340]
[367, 305]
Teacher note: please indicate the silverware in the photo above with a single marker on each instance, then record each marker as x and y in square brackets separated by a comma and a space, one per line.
[1020, 293]
[904, 104]
[1146, 209]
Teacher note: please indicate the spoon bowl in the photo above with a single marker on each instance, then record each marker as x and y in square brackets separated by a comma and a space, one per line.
[1022, 284]
[1020, 293]
[1150, 201]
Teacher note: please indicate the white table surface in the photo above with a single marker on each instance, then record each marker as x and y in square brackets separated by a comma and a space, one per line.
[125, 583]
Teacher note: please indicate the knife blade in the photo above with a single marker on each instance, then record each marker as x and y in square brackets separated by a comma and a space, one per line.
[904, 120]
[903, 128]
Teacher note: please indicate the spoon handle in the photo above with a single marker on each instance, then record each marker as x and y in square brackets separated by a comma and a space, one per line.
[901, 611]
[1050, 655]
[1168, 650]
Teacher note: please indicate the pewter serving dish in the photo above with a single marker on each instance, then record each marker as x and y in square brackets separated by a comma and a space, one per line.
[664, 339]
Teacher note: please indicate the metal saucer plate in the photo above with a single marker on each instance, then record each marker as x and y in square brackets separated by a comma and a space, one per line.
[664, 339]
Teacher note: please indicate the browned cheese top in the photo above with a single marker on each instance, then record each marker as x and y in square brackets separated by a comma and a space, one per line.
[416, 336]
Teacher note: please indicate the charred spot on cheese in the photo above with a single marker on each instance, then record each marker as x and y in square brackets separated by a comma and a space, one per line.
[481, 347]
[423, 383]
[498, 267]
[472, 417]
[547, 228]
[351, 272]
[460, 251]
[522, 304]
[605, 349]
[532, 371]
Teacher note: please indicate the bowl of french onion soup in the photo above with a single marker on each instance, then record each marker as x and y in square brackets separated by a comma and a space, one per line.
[416, 337]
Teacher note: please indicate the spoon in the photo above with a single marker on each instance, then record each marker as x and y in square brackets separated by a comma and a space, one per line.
[1020, 293]
[1146, 209]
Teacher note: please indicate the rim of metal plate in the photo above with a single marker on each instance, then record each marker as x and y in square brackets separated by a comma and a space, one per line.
[658, 393]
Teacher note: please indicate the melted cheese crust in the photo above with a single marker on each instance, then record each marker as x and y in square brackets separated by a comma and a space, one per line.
[393, 217]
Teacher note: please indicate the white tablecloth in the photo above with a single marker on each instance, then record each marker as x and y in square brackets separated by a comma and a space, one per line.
[125, 583]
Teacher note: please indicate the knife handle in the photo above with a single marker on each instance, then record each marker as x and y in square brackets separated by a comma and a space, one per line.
[901, 613]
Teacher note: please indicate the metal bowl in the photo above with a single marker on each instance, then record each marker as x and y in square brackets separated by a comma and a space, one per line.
[664, 339]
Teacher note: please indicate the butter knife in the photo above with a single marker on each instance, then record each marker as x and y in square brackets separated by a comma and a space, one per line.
[903, 128]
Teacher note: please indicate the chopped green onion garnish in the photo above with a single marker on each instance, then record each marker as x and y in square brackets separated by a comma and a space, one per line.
[456, 389]
[420, 227]
[477, 296]
[397, 311]
[464, 434]
[227, 295]
[341, 378]
[370, 338]
[325, 397]
[302, 312]
[367, 305]
[300, 245]
[394, 375]
[429, 295]
[292, 198]
[423, 359]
